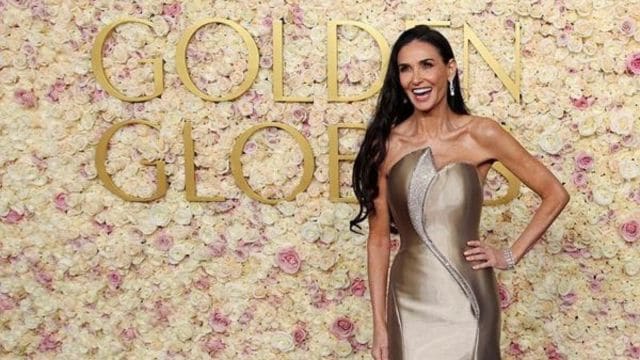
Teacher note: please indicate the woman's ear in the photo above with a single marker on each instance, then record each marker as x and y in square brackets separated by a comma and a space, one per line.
[452, 68]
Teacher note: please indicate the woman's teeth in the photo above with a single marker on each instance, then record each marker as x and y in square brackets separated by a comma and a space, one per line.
[421, 91]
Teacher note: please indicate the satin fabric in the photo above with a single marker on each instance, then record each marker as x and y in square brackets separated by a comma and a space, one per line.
[438, 307]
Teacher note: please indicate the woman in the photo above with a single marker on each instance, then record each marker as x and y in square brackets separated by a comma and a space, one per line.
[421, 167]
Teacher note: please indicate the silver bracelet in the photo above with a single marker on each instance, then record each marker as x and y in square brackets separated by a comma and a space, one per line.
[508, 256]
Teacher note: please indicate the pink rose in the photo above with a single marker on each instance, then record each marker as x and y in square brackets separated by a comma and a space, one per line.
[246, 317]
[288, 260]
[299, 335]
[342, 328]
[569, 299]
[300, 114]
[218, 321]
[514, 349]
[213, 345]
[579, 179]
[12, 217]
[202, 283]
[6, 303]
[128, 334]
[628, 27]
[584, 161]
[633, 351]
[163, 242]
[60, 202]
[172, 10]
[25, 98]
[582, 102]
[48, 342]
[45, 279]
[505, 297]
[553, 353]
[217, 248]
[115, 279]
[633, 63]
[162, 311]
[630, 230]
[358, 287]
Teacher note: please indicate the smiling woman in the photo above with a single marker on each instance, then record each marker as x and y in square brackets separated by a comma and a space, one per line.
[420, 170]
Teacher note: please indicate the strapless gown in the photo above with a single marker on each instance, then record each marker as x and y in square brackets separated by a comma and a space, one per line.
[438, 307]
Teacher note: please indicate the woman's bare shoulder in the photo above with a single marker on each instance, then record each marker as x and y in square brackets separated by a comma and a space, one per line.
[484, 129]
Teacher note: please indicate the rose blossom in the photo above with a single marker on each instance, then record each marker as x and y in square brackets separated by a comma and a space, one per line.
[128, 334]
[579, 179]
[299, 335]
[12, 217]
[300, 114]
[48, 343]
[213, 345]
[633, 63]
[61, 202]
[582, 102]
[358, 287]
[505, 297]
[628, 27]
[342, 328]
[630, 230]
[25, 98]
[515, 349]
[569, 299]
[115, 279]
[163, 242]
[584, 161]
[6, 303]
[288, 260]
[172, 10]
[218, 321]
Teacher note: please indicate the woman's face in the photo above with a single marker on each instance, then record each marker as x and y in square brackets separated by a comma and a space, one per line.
[423, 74]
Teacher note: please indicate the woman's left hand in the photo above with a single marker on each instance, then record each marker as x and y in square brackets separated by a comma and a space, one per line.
[487, 255]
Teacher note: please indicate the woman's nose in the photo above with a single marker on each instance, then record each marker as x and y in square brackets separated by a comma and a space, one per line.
[416, 77]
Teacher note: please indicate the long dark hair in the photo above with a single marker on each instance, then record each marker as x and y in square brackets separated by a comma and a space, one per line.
[392, 108]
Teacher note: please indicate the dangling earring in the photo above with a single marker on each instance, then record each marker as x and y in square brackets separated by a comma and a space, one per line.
[452, 91]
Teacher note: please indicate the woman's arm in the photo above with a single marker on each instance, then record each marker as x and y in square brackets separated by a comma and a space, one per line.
[378, 250]
[500, 145]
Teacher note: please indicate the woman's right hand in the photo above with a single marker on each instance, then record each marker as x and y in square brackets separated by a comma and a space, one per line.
[380, 346]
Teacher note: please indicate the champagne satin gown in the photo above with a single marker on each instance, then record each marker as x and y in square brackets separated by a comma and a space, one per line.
[438, 307]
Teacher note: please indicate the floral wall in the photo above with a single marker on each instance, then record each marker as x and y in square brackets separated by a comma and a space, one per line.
[86, 274]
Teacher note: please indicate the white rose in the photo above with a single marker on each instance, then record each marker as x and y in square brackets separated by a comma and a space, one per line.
[565, 286]
[178, 252]
[550, 142]
[587, 126]
[287, 208]
[364, 332]
[269, 215]
[628, 169]
[183, 331]
[310, 231]
[340, 279]
[160, 215]
[343, 348]
[602, 195]
[329, 235]
[609, 247]
[182, 215]
[631, 267]
[282, 341]
[621, 122]
[236, 232]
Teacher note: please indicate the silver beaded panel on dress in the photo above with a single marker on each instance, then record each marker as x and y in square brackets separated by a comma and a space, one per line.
[423, 175]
